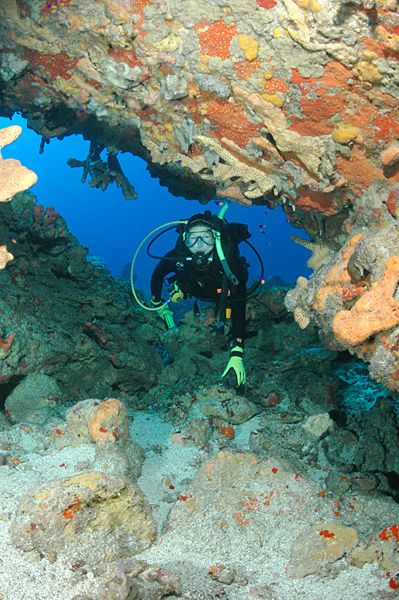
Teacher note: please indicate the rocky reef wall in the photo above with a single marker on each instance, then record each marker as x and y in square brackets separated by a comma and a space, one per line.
[65, 317]
[275, 102]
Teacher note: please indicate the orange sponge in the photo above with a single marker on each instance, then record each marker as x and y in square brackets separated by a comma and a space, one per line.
[5, 256]
[14, 177]
[102, 424]
[338, 276]
[375, 310]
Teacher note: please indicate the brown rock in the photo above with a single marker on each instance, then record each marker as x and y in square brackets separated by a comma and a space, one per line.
[95, 421]
[383, 552]
[91, 518]
[318, 546]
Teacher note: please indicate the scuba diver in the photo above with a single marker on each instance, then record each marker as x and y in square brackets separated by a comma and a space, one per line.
[206, 264]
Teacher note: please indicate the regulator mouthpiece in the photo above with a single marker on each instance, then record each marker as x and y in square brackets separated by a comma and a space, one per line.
[200, 260]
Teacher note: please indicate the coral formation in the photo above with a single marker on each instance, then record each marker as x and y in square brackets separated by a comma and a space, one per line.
[307, 89]
[93, 335]
[321, 253]
[352, 297]
[241, 170]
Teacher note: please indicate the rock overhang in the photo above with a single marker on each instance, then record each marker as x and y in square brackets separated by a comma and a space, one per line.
[264, 100]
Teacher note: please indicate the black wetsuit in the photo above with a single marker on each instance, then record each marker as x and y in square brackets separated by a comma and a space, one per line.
[204, 283]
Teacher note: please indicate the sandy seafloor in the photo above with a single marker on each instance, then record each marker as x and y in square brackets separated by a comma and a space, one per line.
[25, 577]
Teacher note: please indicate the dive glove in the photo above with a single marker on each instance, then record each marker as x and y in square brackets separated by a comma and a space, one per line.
[165, 313]
[237, 364]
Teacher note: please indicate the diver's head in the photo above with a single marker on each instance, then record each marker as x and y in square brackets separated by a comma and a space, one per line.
[200, 239]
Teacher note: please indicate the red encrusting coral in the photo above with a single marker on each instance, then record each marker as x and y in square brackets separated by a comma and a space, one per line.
[231, 123]
[394, 582]
[274, 85]
[391, 532]
[69, 512]
[386, 128]
[215, 37]
[326, 534]
[358, 169]
[139, 6]
[266, 3]
[393, 203]
[373, 46]
[32, 86]
[312, 200]
[55, 65]
[322, 99]
[351, 293]
[124, 55]
[244, 68]
[317, 115]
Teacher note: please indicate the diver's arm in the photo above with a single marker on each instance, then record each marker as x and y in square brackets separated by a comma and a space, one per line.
[238, 306]
[165, 266]
[238, 310]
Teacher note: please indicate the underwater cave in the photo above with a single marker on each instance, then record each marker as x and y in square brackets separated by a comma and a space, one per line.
[199, 308]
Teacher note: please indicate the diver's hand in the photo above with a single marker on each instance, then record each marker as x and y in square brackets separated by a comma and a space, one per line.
[236, 363]
[165, 313]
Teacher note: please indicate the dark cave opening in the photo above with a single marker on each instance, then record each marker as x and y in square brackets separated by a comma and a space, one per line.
[7, 387]
[393, 481]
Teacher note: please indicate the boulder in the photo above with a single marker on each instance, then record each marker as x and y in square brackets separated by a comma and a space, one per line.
[89, 518]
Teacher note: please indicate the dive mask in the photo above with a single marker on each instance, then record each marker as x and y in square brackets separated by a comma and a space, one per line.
[199, 238]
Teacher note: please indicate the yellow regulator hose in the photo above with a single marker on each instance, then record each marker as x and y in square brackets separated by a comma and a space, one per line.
[134, 262]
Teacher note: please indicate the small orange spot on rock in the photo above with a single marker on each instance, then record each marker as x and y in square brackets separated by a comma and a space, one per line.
[326, 534]
[391, 532]
[227, 431]
[239, 518]
[69, 512]
[223, 524]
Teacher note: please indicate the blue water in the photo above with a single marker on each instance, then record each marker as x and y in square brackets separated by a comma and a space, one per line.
[111, 227]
